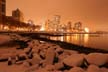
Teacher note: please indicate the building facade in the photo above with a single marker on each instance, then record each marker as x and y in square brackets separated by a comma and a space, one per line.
[53, 24]
[2, 10]
[17, 15]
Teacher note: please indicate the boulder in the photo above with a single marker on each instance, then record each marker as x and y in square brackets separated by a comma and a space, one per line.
[104, 69]
[96, 58]
[74, 60]
[76, 69]
[93, 68]
[41, 70]
[58, 65]
[50, 54]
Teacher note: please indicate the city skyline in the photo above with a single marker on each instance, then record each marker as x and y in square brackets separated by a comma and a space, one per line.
[93, 14]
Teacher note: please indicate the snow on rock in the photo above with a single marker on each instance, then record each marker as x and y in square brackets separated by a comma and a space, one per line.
[32, 68]
[93, 68]
[35, 60]
[74, 60]
[62, 56]
[96, 58]
[41, 70]
[58, 65]
[26, 64]
[4, 38]
[76, 69]
[4, 56]
[50, 53]
[107, 57]
[58, 49]
[56, 71]
[49, 67]
[70, 52]
[104, 69]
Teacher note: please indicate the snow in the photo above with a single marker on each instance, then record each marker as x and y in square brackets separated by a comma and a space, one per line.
[49, 56]
[96, 58]
[76, 69]
[48, 51]
[4, 39]
[104, 69]
[74, 60]
[58, 65]
[93, 68]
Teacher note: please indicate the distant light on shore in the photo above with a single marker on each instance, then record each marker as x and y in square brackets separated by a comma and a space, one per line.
[86, 29]
[42, 29]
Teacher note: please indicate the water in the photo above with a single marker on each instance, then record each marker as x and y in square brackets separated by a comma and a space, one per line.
[99, 41]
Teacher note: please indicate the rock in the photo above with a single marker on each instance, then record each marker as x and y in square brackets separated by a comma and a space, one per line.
[35, 60]
[49, 67]
[58, 66]
[70, 52]
[65, 70]
[49, 56]
[62, 56]
[27, 50]
[4, 39]
[26, 64]
[4, 57]
[32, 68]
[93, 68]
[22, 56]
[76, 69]
[41, 70]
[56, 71]
[74, 60]
[58, 49]
[103, 69]
[42, 54]
[96, 58]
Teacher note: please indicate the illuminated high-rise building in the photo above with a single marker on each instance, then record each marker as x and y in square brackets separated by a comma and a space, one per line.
[17, 15]
[78, 26]
[56, 22]
[2, 10]
[69, 26]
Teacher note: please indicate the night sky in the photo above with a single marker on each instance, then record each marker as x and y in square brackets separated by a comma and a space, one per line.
[92, 13]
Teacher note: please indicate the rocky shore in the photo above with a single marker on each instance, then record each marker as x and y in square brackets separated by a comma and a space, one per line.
[31, 55]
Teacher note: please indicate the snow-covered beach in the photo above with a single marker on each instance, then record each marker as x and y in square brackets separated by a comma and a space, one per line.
[41, 56]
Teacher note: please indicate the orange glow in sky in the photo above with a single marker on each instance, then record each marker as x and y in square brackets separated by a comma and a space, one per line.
[92, 13]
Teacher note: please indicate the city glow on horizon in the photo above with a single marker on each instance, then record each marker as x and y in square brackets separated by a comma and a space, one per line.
[93, 14]
[86, 29]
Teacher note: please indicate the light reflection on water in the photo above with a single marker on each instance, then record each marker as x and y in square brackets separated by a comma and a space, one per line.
[87, 40]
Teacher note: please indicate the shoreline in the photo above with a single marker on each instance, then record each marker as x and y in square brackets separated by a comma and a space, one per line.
[71, 46]
[43, 55]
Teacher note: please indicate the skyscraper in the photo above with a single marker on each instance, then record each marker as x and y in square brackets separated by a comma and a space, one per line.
[17, 15]
[56, 22]
[2, 10]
